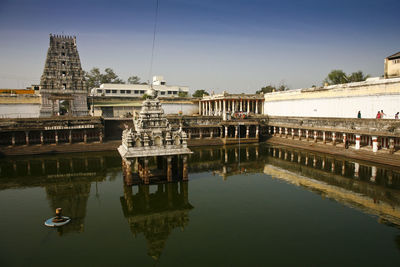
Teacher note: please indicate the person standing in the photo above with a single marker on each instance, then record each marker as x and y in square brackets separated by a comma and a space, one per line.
[382, 114]
[359, 114]
[378, 116]
[396, 116]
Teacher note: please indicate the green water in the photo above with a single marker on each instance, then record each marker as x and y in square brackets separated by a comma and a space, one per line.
[238, 209]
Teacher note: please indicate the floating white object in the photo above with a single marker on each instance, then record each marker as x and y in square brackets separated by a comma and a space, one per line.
[50, 223]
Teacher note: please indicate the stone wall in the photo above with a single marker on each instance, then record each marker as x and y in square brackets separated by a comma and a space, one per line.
[339, 101]
[360, 126]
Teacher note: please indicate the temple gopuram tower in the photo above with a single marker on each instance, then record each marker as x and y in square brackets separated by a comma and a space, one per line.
[62, 85]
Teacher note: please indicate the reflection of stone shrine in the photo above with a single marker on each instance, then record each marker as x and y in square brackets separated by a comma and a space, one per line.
[153, 139]
[156, 214]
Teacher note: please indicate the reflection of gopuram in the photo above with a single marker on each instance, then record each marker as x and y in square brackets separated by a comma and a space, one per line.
[152, 138]
[156, 214]
[72, 196]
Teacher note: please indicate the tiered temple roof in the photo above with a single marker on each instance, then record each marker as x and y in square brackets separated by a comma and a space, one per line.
[152, 135]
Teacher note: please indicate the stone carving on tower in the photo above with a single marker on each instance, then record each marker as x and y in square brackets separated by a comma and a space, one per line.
[62, 85]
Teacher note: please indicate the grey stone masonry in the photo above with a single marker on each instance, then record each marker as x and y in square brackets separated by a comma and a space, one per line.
[63, 79]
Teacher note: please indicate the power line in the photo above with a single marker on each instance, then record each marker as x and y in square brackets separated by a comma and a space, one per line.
[154, 41]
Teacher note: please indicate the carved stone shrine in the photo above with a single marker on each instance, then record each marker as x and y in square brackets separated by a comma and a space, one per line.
[152, 143]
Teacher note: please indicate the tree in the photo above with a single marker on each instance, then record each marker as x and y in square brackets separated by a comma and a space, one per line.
[133, 80]
[266, 89]
[336, 77]
[200, 93]
[357, 77]
[272, 88]
[183, 94]
[94, 77]
[339, 77]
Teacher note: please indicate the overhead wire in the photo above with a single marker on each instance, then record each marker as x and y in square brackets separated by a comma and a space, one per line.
[154, 41]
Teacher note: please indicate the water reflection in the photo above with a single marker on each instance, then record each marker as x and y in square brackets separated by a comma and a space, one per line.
[156, 214]
[66, 179]
[365, 186]
[156, 210]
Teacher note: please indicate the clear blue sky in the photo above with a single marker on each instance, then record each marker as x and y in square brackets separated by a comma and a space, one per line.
[234, 45]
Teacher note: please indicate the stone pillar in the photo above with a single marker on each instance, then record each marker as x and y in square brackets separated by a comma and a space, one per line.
[374, 144]
[257, 131]
[221, 133]
[274, 131]
[292, 133]
[391, 145]
[226, 131]
[146, 177]
[241, 105]
[358, 139]
[203, 109]
[169, 168]
[344, 139]
[307, 137]
[200, 133]
[85, 136]
[248, 106]
[256, 102]
[333, 166]
[41, 138]
[286, 132]
[56, 136]
[373, 172]
[262, 107]
[334, 138]
[226, 155]
[224, 110]
[356, 169]
[233, 105]
[236, 131]
[27, 138]
[199, 107]
[315, 136]
[247, 131]
[70, 136]
[324, 137]
[280, 131]
[185, 168]
[13, 139]
[101, 136]
[300, 134]
[211, 133]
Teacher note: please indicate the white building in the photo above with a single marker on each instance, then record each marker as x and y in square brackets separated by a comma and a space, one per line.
[138, 90]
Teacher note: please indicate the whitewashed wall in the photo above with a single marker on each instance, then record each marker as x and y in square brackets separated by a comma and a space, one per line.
[19, 110]
[187, 109]
[343, 107]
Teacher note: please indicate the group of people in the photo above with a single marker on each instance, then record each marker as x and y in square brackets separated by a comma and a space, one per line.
[380, 115]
